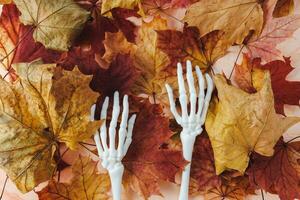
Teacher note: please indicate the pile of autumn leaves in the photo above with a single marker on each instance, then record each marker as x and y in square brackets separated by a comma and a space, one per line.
[60, 57]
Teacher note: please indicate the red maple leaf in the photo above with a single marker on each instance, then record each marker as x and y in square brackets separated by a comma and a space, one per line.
[278, 174]
[119, 76]
[149, 159]
[203, 165]
[188, 45]
[88, 49]
[285, 92]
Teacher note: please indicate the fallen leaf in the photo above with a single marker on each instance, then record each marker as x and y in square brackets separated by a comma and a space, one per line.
[85, 58]
[85, 184]
[278, 174]
[283, 8]
[225, 192]
[182, 3]
[5, 1]
[275, 31]
[147, 162]
[232, 188]
[17, 44]
[120, 19]
[154, 7]
[150, 60]
[116, 43]
[240, 123]
[108, 5]
[235, 17]
[243, 75]
[121, 71]
[188, 45]
[55, 24]
[203, 168]
[285, 92]
[88, 49]
[43, 107]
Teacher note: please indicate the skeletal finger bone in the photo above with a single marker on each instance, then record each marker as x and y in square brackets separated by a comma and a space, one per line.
[112, 155]
[191, 122]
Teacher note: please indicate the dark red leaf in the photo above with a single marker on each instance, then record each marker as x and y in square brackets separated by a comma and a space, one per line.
[147, 161]
[277, 174]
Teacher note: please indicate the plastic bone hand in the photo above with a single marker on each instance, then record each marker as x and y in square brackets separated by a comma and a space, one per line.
[191, 123]
[111, 155]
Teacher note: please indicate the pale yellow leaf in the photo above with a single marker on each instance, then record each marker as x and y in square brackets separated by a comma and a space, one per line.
[43, 107]
[107, 5]
[239, 123]
[86, 183]
[56, 22]
[150, 60]
[235, 17]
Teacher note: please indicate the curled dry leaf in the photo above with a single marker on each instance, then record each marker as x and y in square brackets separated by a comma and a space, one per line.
[43, 107]
[148, 160]
[150, 60]
[285, 92]
[280, 173]
[85, 184]
[188, 45]
[235, 17]
[275, 31]
[240, 123]
[284, 8]
[56, 24]
[243, 75]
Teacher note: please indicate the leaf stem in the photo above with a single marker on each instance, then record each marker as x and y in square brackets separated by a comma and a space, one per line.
[235, 62]
[293, 139]
[4, 185]
[262, 194]
[87, 144]
[87, 148]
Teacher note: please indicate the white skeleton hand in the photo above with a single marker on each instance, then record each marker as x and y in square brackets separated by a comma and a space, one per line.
[110, 155]
[191, 123]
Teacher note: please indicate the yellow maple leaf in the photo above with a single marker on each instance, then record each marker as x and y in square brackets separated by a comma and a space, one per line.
[235, 17]
[5, 1]
[107, 5]
[240, 123]
[85, 184]
[56, 23]
[43, 107]
[150, 60]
